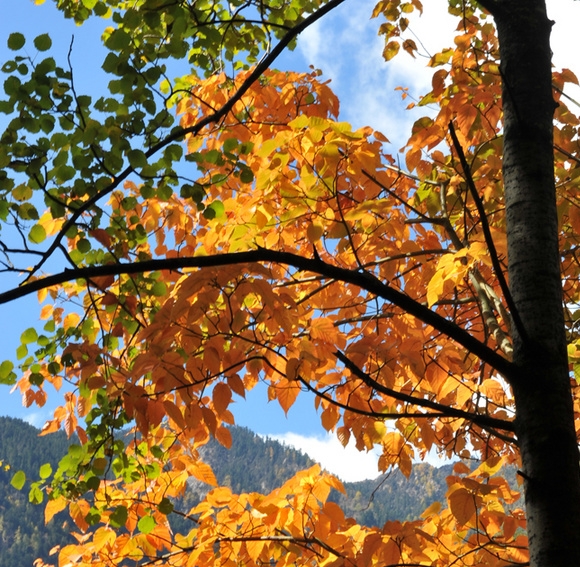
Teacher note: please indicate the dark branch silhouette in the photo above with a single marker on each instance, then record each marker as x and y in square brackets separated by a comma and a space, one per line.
[364, 280]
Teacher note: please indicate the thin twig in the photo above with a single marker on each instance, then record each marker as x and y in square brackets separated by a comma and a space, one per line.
[487, 233]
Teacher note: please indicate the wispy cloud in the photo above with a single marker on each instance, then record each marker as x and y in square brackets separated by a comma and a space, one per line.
[36, 418]
[348, 463]
[346, 47]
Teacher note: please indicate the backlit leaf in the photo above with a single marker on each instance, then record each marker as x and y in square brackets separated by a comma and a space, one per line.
[18, 480]
[462, 504]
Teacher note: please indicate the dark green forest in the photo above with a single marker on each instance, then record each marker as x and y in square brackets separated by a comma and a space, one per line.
[252, 464]
[23, 535]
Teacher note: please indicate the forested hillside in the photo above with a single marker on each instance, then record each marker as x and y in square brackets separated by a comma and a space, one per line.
[256, 464]
[253, 464]
[23, 535]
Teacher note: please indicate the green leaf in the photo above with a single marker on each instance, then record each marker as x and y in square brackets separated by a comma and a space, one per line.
[35, 496]
[246, 176]
[215, 210]
[146, 524]
[119, 517]
[29, 336]
[27, 211]
[118, 40]
[93, 483]
[18, 480]
[214, 156]
[36, 379]
[45, 470]
[11, 86]
[37, 234]
[21, 352]
[83, 245]
[230, 144]
[65, 173]
[165, 506]
[137, 158]
[159, 289]
[54, 368]
[43, 42]
[16, 41]
[93, 517]
[6, 371]
[9, 66]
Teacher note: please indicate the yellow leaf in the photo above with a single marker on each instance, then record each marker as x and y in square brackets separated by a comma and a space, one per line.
[71, 321]
[41, 295]
[237, 385]
[343, 434]
[46, 311]
[219, 497]
[53, 507]
[224, 436]
[174, 413]
[212, 360]
[254, 549]
[103, 537]
[286, 393]
[330, 417]
[203, 472]
[489, 467]
[390, 50]
[314, 232]
[431, 510]
[462, 505]
[323, 329]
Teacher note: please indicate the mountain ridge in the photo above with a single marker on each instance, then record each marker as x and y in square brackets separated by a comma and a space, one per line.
[253, 464]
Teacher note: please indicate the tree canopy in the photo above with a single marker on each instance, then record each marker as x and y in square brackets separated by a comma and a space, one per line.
[189, 238]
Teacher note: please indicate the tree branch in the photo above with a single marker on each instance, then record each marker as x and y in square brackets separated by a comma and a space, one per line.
[375, 414]
[363, 280]
[447, 411]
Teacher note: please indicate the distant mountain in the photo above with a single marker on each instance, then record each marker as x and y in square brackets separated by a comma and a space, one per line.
[252, 464]
[255, 464]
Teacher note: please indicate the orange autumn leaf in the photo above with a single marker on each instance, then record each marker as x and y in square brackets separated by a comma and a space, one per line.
[462, 504]
[203, 472]
[54, 506]
[323, 328]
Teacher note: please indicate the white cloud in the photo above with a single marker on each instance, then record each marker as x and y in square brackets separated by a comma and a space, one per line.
[346, 47]
[348, 463]
[36, 419]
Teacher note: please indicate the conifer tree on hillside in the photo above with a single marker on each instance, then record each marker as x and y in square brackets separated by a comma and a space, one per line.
[225, 228]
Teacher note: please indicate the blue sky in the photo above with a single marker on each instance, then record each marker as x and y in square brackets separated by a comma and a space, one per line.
[366, 88]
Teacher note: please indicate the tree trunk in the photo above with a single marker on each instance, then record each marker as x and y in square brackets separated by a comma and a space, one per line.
[544, 409]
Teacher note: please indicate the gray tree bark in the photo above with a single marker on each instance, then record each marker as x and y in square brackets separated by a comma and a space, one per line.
[544, 411]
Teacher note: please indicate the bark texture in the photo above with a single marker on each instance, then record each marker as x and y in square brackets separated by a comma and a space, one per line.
[544, 411]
